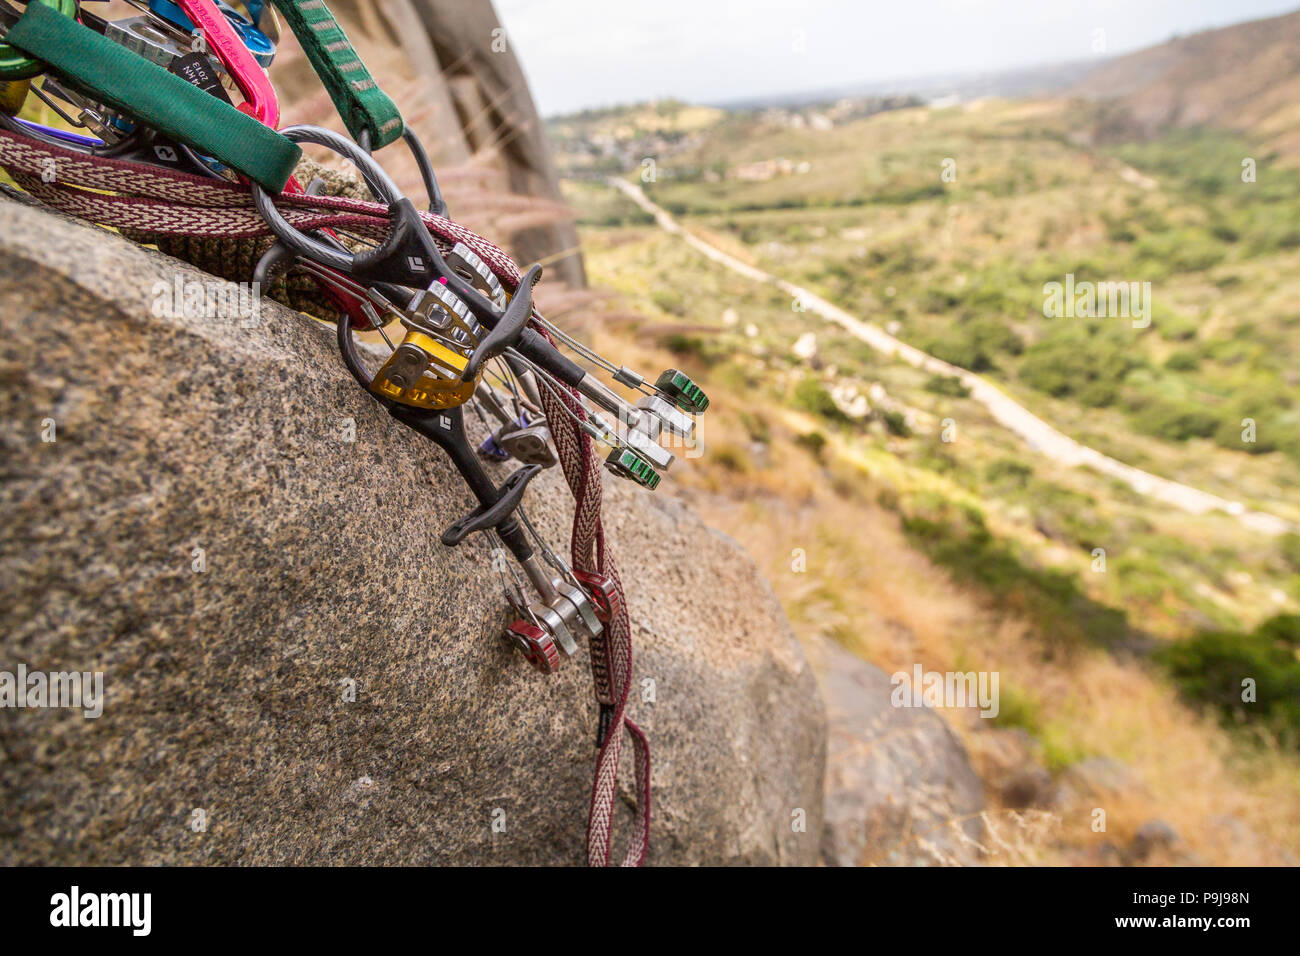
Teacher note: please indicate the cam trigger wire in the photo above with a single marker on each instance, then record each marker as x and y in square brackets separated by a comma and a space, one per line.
[513, 589]
[592, 423]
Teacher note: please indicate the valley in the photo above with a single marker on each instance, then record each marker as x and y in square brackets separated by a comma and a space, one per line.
[932, 530]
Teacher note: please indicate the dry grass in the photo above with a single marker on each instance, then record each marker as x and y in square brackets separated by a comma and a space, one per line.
[1173, 574]
[867, 587]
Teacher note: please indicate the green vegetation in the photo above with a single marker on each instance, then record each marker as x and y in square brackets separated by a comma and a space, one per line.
[1017, 709]
[947, 385]
[1089, 368]
[810, 396]
[1175, 421]
[975, 344]
[896, 424]
[601, 206]
[815, 442]
[969, 259]
[957, 538]
[962, 269]
[1290, 547]
[687, 347]
[1249, 678]
[1080, 574]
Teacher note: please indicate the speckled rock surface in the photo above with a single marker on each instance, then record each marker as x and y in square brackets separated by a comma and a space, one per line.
[900, 790]
[225, 687]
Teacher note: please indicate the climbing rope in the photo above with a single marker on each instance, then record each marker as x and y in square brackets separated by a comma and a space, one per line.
[178, 147]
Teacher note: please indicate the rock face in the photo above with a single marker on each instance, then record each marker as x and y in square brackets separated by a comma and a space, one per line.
[454, 71]
[900, 790]
[235, 535]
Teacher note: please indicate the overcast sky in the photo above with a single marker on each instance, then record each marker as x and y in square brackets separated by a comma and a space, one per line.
[580, 53]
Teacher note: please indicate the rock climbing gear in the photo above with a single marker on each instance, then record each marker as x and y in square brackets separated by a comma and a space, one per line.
[364, 107]
[221, 35]
[180, 95]
[17, 65]
[115, 76]
[409, 258]
[258, 44]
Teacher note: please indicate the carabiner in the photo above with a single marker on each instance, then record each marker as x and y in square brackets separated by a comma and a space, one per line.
[408, 256]
[257, 42]
[17, 65]
[219, 33]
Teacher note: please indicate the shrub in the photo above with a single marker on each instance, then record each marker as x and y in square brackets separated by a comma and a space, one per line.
[1117, 230]
[1225, 231]
[1176, 421]
[1210, 669]
[896, 423]
[756, 427]
[939, 300]
[948, 385]
[1228, 435]
[957, 538]
[1089, 371]
[731, 458]
[1097, 393]
[1180, 250]
[1017, 709]
[1008, 471]
[812, 397]
[1290, 547]
[974, 343]
[1183, 361]
[908, 194]
[670, 300]
[1174, 326]
[814, 442]
[686, 345]
[994, 335]
[1285, 629]
[958, 349]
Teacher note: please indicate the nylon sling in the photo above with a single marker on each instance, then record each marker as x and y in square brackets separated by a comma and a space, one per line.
[123, 79]
[358, 98]
[112, 192]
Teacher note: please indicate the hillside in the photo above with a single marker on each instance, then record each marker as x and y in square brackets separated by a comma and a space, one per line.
[935, 533]
[1244, 77]
[901, 522]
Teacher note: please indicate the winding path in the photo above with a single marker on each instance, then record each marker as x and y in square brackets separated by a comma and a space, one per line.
[1038, 434]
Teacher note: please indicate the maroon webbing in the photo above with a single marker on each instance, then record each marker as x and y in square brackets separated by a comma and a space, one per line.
[148, 199]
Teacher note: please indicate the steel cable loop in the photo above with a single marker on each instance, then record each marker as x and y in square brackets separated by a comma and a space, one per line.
[437, 205]
[176, 203]
[377, 180]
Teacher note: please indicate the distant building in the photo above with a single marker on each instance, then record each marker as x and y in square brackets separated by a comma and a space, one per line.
[770, 168]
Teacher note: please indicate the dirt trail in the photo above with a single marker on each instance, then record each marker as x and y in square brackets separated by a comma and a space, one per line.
[1038, 434]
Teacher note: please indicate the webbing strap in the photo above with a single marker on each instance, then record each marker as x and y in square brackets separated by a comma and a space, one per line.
[118, 77]
[141, 198]
[356, 95]
[611, 652]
